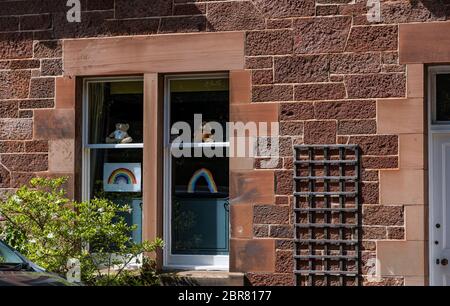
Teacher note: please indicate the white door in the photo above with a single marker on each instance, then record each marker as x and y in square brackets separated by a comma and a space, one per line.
[440, 210]
[439, 174]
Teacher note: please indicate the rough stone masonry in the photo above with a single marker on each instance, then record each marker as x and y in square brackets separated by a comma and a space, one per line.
[320, 60]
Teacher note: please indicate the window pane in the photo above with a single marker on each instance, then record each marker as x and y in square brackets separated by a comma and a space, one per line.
[116, 174]
[200, 184]
[187, 179]
[8, 256]
[200, 208]
[443, 97]
[113, 103]
[208, 97]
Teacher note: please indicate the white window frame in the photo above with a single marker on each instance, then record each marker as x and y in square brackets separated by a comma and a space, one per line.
[86, 158]
[434, 124]
[178, 261]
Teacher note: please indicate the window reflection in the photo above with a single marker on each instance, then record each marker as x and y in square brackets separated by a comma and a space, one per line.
[113, 103]
[443, 97]
[200, 185]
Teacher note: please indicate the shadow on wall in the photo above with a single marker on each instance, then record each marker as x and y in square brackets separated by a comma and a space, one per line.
[47, 19]
[131, 17]
[143, 17]
[439, 8]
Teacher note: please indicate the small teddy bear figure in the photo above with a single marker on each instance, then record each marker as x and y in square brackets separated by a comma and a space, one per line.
[204, 133]
[120, 135]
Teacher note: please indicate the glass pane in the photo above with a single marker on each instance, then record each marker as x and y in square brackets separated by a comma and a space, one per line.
[200, 209]
[116, 174]
[115, 112]
[208, 97]
[443, 97]
[7, 256]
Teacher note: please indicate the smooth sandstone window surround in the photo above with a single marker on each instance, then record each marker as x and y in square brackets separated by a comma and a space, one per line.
[153, 58]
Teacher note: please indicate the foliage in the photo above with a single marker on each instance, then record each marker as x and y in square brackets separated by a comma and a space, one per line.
[146, 276]
[48, 228]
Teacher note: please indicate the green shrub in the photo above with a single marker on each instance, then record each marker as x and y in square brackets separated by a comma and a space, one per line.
[48, 228]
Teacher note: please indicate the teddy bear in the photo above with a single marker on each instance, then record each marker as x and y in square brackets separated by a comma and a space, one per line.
[204, 133]
[120, 135]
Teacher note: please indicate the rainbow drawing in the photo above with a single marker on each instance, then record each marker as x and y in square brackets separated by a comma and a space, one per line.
[122, 176]
[205, 173]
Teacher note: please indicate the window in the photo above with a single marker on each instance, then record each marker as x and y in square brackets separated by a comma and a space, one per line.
[439, 77]
[196, 184]
[8, 256]
[113, 144]
[442, 97]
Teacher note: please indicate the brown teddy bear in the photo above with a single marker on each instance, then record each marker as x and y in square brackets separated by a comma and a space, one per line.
[204, 133]
[120, 135]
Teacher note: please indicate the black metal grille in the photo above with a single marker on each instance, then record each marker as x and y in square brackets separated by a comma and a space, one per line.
[327, 215]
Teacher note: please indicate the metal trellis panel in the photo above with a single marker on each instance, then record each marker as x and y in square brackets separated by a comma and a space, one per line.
[327, 215]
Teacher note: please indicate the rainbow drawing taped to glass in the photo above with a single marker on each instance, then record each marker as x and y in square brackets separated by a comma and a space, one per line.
[122, 176]
[207, 175]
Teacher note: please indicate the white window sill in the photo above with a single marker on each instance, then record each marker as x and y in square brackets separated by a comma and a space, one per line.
[196, 268]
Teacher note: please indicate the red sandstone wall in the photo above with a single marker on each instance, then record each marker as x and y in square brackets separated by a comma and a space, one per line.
[320, 59]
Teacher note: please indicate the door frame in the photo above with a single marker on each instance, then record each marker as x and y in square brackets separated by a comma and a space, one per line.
[433, 129]
[170, 261]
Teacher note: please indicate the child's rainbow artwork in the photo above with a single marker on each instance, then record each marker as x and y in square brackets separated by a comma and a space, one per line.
[207, 175]
[122, 177]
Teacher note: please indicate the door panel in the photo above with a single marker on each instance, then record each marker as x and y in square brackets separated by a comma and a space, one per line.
[440, 210]
[201, 227]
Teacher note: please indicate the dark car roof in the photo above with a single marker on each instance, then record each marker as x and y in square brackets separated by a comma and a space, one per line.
[37, 276]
